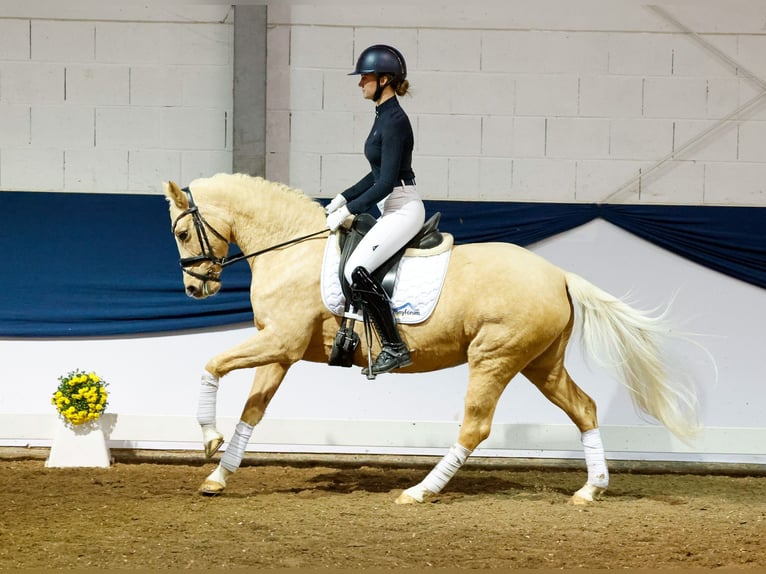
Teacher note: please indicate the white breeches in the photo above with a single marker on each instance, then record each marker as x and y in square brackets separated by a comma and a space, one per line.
[392, 232]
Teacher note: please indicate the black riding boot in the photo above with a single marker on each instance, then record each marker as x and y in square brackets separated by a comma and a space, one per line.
[368, 294]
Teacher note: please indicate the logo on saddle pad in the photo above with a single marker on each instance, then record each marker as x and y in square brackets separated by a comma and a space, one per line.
[419, 281]
[406, 310]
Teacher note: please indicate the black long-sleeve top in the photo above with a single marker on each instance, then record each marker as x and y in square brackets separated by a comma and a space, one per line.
[388, 148]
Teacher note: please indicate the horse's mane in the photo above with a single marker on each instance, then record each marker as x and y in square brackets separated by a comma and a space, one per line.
[255, 183]
[281, 201]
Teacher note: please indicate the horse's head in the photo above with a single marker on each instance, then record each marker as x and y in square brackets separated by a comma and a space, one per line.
[202, 248]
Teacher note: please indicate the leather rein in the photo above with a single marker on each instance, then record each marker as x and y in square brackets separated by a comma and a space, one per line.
[201, 226]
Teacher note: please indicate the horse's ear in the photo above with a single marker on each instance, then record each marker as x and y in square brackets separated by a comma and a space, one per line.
[174, 195]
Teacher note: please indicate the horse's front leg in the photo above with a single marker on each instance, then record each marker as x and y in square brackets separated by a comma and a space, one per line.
[265, 384]
[261, 349]
[212, 439]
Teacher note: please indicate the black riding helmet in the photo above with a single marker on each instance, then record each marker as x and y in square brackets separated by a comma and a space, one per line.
[381, 59]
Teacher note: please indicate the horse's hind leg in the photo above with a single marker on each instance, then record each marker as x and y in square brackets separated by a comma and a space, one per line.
[547, 373]
[265, 384]
[487, 381]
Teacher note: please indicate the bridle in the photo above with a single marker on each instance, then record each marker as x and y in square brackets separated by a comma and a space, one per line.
[201, 227]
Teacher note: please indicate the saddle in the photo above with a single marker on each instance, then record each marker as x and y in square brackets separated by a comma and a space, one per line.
[428, 237]
[346, 340]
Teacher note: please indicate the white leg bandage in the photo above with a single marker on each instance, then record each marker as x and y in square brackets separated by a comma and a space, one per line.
[446, 469]
[219, 475]
[598, 474]
[208, 393]
[441, 473]
[235, 450]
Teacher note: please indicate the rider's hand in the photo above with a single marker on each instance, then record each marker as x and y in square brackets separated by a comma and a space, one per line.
[337, 202]
[336, 218]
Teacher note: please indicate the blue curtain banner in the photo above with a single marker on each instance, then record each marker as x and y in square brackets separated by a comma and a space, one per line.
[89, 265]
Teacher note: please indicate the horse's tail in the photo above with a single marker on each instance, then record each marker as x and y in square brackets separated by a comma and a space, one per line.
[632, 342]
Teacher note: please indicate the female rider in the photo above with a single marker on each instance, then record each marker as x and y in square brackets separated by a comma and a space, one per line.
[390, 184]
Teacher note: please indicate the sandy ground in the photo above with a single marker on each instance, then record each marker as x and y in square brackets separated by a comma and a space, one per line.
[315, 515]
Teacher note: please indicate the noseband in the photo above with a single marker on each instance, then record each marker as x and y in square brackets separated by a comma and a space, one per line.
[201, 226]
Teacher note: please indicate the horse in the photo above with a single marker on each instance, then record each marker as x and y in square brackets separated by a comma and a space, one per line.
[503, 310]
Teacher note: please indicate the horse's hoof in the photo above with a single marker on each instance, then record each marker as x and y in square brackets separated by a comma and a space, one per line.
[414, 495]
[211, 488]
[586, 495]
[577, 500]
[405, 498]
[212, 446]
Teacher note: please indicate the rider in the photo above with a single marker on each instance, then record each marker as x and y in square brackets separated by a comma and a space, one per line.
[391, 185]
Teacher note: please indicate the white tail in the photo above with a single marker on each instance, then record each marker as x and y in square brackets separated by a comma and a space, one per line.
[632, 341]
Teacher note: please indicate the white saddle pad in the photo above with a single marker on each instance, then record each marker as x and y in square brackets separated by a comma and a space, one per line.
[419, 281]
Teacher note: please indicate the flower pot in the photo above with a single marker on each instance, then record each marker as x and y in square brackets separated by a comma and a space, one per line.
[78, 446]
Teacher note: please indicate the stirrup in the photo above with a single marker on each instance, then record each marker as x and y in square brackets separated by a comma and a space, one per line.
[390, 358]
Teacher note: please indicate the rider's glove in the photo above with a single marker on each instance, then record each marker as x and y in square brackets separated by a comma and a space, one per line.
[337, 202]
[336, 218]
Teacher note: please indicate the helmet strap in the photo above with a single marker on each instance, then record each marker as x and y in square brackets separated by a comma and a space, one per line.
[378, 90]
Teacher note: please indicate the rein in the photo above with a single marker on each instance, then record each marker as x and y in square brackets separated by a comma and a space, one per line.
[201, 226]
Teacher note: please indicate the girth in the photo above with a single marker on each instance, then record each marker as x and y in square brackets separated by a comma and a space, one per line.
[428, 237]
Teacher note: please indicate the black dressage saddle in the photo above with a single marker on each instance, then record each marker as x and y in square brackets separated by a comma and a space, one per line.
[428, 237]
[346, 340]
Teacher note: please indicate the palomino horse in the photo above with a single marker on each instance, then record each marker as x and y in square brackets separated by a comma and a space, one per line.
[282, 232]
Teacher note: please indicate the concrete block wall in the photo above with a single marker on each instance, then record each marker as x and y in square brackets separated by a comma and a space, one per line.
[525, 100]
[530, 100]
[113, 98]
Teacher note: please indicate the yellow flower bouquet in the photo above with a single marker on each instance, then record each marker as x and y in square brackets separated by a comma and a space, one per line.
[80, 397]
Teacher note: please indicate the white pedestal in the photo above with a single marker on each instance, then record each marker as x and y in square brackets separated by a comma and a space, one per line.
[82, 445]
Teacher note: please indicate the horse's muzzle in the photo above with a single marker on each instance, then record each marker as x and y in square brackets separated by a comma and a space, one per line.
[194, 292]
[204, 288]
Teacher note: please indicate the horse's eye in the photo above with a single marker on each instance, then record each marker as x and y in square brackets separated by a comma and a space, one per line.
[183, 235]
